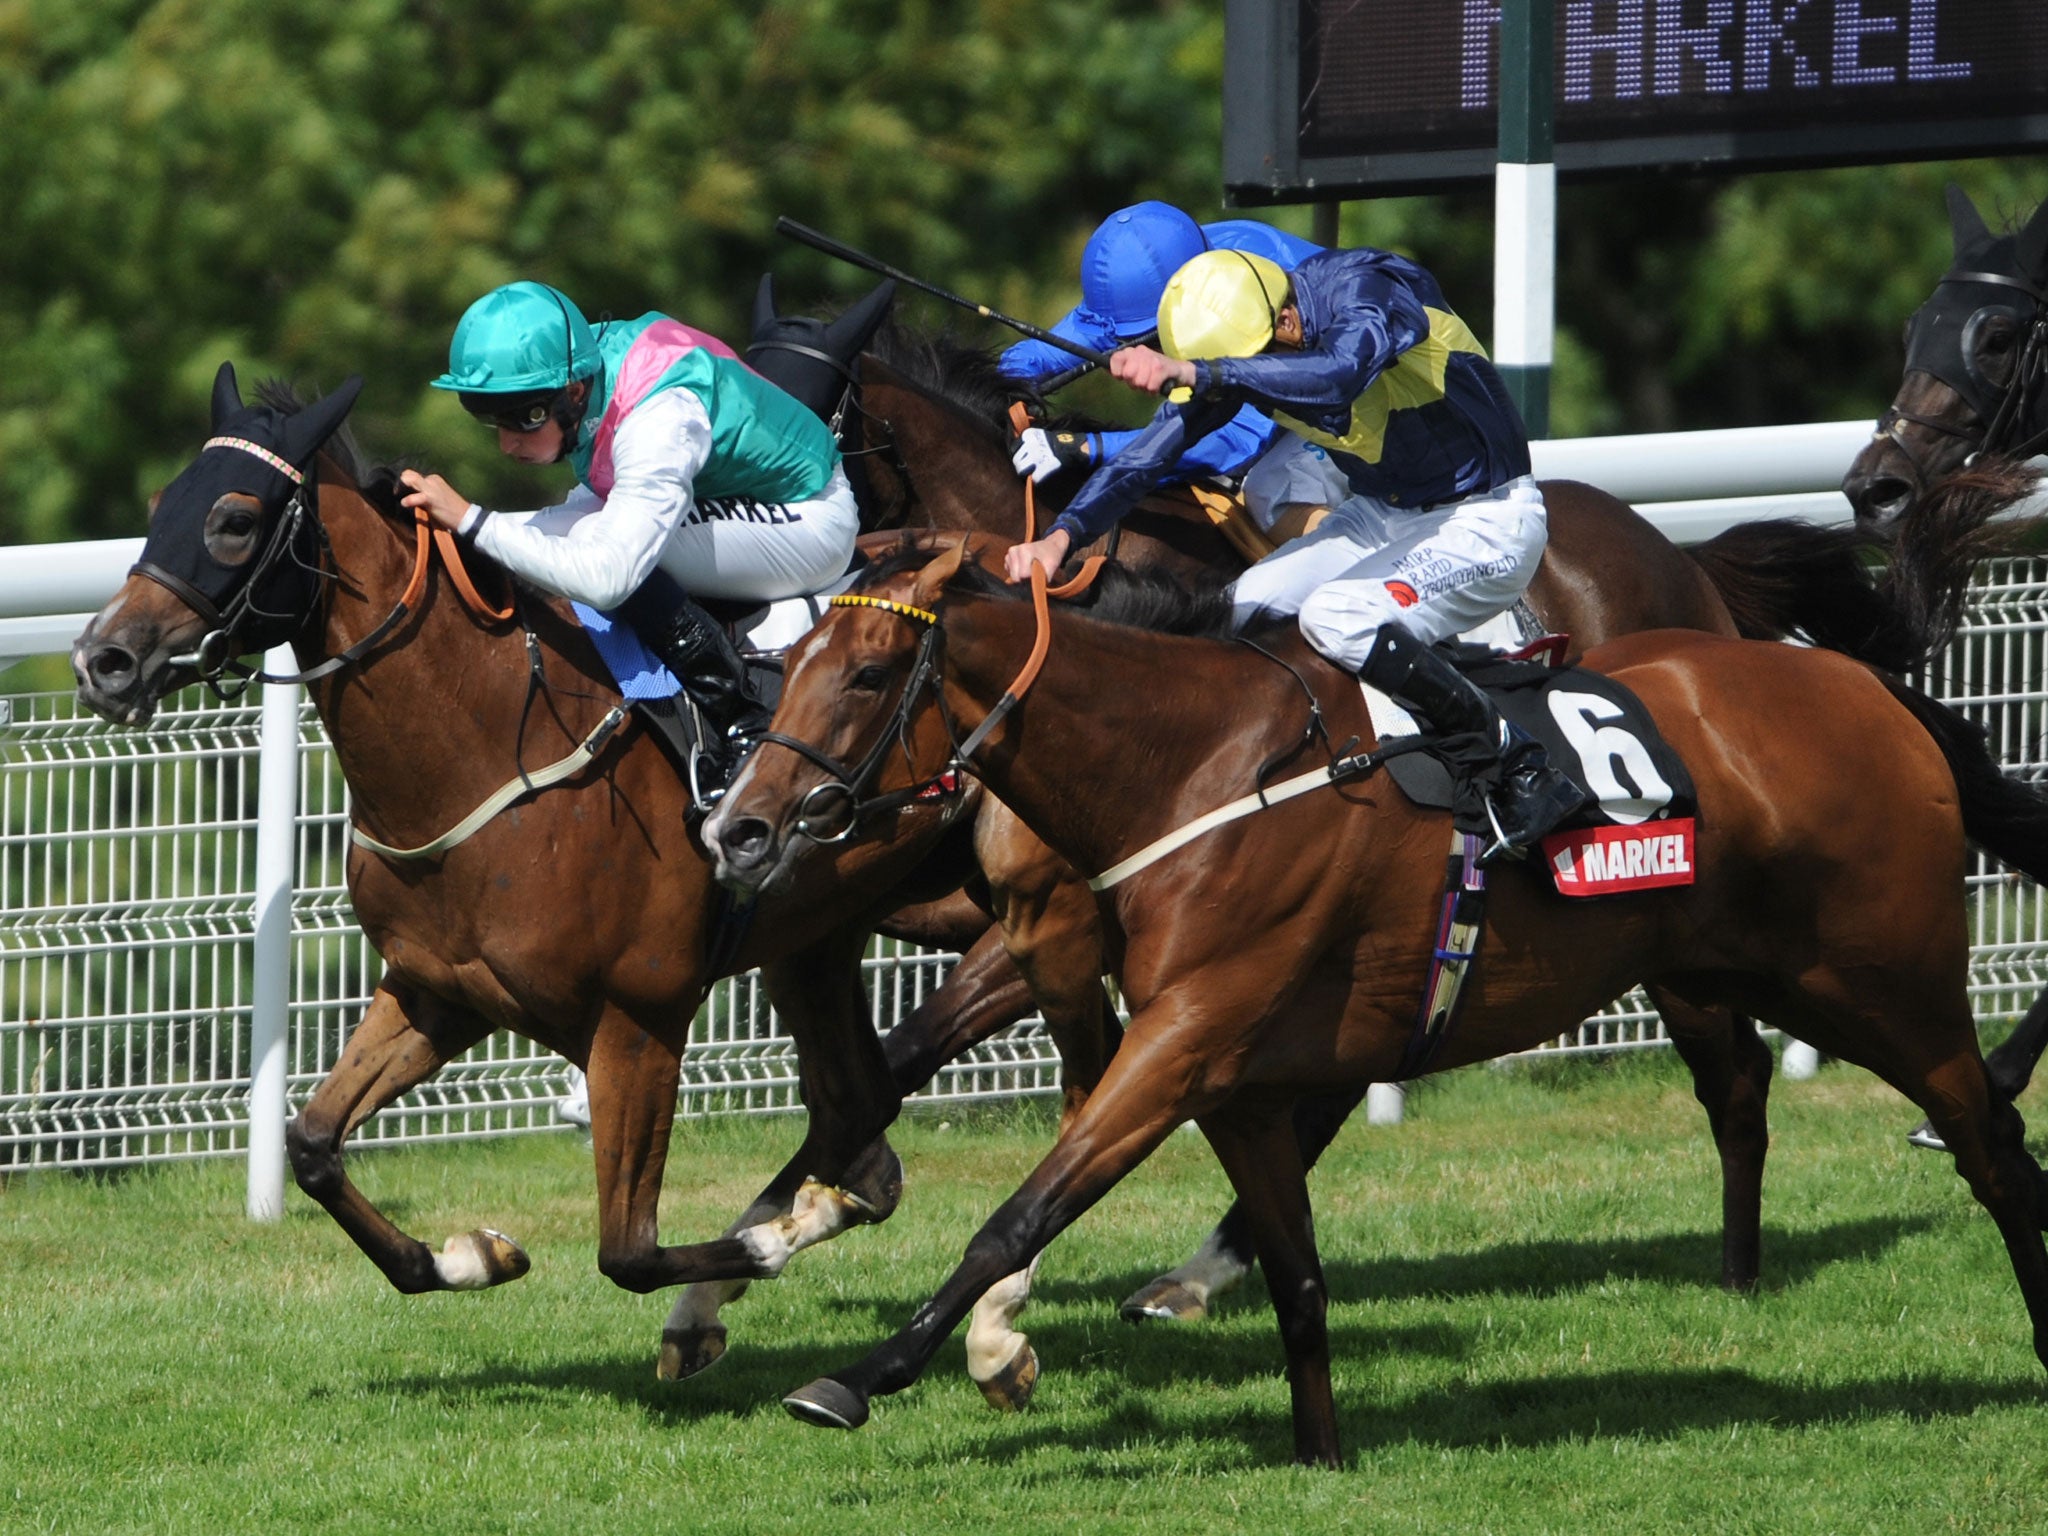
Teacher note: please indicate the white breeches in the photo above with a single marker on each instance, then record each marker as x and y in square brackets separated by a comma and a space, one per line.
[1437, 571]
[736, 547]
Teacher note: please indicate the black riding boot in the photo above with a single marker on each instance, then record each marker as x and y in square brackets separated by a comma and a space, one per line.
[1506, 770]
[695, 647]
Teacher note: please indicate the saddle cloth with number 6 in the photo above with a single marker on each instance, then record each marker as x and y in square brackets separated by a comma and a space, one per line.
[1640, 833]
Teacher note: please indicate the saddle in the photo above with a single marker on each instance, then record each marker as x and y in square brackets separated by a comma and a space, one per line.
[1637, 835]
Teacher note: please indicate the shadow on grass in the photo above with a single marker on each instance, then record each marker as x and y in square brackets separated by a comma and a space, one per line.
[1533, 1412]
[1077, 1330]
[1549, 1267]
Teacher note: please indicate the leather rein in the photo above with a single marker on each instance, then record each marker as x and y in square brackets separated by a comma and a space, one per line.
[843, 801]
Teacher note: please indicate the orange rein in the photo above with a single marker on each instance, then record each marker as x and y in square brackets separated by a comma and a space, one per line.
[1020, 421]
[429, 537]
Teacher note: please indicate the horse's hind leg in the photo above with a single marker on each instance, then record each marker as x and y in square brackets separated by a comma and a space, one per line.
[2011, 1065]
[1259, 1149]
[1921, 1038]
[1731, 1077]
[403, 1040]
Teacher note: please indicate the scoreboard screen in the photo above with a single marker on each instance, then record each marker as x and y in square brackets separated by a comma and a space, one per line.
[1333, 98]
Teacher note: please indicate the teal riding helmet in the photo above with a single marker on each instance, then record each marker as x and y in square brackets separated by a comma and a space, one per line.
[520, 339]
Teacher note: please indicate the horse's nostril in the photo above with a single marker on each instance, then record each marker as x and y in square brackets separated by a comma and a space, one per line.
[110, 666]
[1883, 499]
[745, 840]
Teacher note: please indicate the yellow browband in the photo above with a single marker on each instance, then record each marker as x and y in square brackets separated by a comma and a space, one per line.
[848, 600]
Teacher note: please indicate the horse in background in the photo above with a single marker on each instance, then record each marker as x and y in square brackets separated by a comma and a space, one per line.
[1256, 973]
[1949, 455]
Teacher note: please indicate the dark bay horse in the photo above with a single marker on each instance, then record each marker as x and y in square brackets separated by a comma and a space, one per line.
[1828, 903]
[267, 537]
[1949, 454]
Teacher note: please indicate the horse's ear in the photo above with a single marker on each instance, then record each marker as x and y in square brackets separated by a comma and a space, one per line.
[227, 396]
[2032, 250]
[1966, 225]
[305, 431]
[764, 305]
[931, 581]
[847, 337]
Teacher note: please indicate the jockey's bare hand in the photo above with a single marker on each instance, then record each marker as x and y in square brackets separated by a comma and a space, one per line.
[1150, 370]
[1048, 552]
[445, 506]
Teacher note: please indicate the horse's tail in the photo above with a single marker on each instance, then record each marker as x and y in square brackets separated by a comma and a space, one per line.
[2005, 816]
[1785, 578]
[1937, 546]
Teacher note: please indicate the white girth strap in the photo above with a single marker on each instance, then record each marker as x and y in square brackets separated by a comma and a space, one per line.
[525, 784]
[1153, 852]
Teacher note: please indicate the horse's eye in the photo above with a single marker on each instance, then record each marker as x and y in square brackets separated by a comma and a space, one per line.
[238, 525]
[869, 679]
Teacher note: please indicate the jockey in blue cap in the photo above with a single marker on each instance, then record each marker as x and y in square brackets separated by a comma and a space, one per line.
[1441, 526]
[696, 478]
[1124, 271]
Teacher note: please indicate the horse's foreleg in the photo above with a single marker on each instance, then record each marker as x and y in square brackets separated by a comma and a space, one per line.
[1731, 1077]
[403, 1040]
[1147, 1091]
[1052, 933]
[844, 1175]
[1259, 1148]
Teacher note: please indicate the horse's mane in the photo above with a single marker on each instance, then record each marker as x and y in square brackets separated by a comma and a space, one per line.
[1147, 598]
[968, 376]
[378, 482]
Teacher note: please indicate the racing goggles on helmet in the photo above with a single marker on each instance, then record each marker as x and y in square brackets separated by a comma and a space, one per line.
[512, 413]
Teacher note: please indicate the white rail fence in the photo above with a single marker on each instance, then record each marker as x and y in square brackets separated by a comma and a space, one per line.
[178, 961]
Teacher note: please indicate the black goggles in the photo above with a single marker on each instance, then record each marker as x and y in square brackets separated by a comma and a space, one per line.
[512, 413]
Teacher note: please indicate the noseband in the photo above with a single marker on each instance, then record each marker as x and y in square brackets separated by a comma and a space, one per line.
[840, 797]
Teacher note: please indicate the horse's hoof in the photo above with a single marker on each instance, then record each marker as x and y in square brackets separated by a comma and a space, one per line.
[828, 1404]
[1925, 1135]
[1164, 1301]
[476, 1260]
[684, 1355]
[1010, 1388]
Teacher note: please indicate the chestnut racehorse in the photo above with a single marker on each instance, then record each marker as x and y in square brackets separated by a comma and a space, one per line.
[932, 443]
[1257, 971]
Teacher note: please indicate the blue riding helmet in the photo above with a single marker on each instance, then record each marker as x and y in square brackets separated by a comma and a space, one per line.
[520, 339]
[1128, 259]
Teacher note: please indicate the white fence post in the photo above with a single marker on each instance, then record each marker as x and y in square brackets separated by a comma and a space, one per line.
[277, 799]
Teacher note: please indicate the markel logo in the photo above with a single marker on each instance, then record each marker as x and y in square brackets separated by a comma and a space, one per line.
[1601, 861]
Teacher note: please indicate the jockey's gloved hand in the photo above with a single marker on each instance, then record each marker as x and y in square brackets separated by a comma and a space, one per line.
[1042, 454]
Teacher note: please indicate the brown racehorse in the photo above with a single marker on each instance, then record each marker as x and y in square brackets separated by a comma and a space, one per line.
[931, 420]
[430, 712]
[1831, 904]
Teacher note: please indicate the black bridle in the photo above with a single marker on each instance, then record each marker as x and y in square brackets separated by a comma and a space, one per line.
[2001, 419]
[843, 801]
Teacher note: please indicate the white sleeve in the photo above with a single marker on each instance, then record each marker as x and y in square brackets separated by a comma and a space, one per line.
[598, 550]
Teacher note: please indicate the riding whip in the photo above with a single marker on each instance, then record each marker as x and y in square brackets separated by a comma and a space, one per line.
[831, 247]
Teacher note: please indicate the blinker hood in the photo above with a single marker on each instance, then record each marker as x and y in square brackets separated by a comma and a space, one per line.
[267, 454]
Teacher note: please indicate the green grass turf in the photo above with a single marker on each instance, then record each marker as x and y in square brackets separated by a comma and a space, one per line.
[1525, 1331]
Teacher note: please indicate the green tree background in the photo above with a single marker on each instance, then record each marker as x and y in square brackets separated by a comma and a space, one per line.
[314, 189]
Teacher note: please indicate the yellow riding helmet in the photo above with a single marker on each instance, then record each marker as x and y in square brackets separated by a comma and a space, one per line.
[1221, 304]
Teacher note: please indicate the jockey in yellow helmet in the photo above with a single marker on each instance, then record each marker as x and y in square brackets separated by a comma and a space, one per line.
[1438, 525]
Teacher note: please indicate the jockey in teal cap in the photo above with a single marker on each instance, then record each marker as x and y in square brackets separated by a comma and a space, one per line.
[696, 479]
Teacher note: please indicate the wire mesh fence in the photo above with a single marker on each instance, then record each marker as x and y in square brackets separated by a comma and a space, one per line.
[127, 912]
